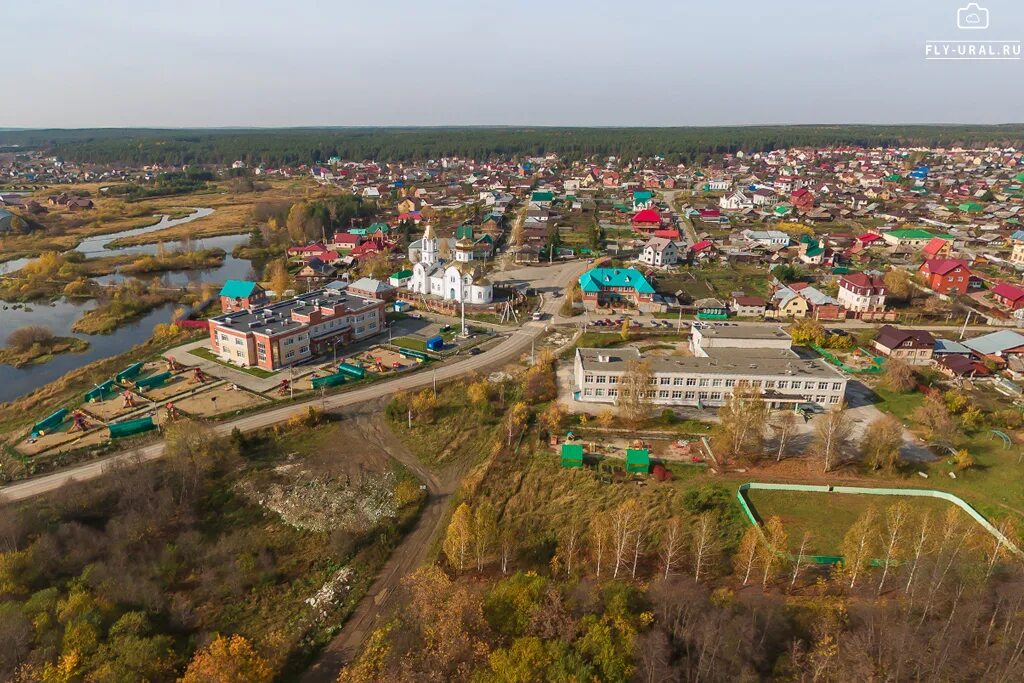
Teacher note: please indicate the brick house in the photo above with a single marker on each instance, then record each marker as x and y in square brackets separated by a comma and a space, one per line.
[859, 292]
[241, 295]
[602, 287]
[946, 275]
[915, 347]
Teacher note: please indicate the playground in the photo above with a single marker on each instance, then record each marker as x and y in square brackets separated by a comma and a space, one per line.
[222, 398]
[63, 429]
[381, 360]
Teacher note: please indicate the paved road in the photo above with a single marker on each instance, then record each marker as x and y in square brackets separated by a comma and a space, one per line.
[507, 350]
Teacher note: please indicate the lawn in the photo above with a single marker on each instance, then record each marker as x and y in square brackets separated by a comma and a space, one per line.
[203, 352]
[900, 405]
[410, 343]
[828, 516]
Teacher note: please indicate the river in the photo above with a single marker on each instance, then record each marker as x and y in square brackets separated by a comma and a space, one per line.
[63, 313]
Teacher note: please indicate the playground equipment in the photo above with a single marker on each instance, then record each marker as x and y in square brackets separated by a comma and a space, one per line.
[78, 423]
[129, 372]
[173, 365]
[415, 355]
[284, 387]
[152, 381]
[100, 391]
[334, 380]
[131, 427]
[128, 399]
[198, 376]
[49, 423]
[638, 460]
[353, 371]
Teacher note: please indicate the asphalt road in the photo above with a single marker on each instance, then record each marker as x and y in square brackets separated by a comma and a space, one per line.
[509, 349]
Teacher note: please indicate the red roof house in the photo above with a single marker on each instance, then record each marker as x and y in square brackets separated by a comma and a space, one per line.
[946, 275]
[668, 233]
[648, 219]
[937, 248]
[1010, 296]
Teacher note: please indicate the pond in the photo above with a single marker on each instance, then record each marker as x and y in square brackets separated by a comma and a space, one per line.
[59, 317]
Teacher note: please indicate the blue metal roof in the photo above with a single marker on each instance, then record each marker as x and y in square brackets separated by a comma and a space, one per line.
[237, 289]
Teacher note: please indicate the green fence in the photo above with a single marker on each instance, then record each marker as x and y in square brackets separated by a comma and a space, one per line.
[876, 362]
[100, 391]
[50, 422]
[129, 372]
[152, 381]
[752, 517]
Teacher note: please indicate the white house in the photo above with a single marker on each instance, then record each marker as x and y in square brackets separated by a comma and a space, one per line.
[861, 292]
[766, 238]
[660, 252]
[735, 201]
[765, 197]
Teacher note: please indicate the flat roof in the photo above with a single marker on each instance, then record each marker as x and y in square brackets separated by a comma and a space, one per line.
[738, 331]
[719, 362]
[278, 317]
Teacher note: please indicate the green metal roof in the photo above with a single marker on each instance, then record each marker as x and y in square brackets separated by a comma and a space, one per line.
[378, 227]
[464, 231]
[596, 279]
[238, 289]
[912, 234]
[642, 195]
[402, 274]
[542, 196]
[637, 460]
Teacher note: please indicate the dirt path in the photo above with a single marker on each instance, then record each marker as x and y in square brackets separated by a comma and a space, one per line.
[410, 553]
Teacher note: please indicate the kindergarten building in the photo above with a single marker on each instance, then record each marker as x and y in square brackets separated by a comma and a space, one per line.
[289, 332]
[723, 357]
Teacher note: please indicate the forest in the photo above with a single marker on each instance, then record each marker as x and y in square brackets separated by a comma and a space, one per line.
[291, 146]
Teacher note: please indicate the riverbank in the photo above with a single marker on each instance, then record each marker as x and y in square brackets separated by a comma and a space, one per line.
[42, 352]
[181, 260]
[128, 304]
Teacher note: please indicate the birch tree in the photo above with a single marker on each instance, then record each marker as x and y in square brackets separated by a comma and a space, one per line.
[485, 529]
[893, 540]
[746, 554]
[773, 548]
[801, 555]
[921, 541]
[831, 436]
[858, 545]
[507, 545]
[634, 385]
[705, 544]
[671, 545]
[569, 541]
[741, 423]
[783, 426]
[459, 537]
[600, 535]
[881, 443]
[625, 521]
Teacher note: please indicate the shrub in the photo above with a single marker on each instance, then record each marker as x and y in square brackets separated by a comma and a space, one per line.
[24, 337]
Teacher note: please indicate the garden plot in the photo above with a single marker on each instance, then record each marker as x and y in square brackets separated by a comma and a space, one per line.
[218, 400]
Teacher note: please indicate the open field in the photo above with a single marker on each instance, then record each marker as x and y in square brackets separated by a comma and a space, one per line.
[828, 516]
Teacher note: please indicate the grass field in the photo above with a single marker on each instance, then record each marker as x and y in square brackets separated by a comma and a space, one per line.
[828, 516]
[410, 343]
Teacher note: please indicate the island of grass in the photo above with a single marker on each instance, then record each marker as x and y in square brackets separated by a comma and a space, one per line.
[35, 345]
[176, 260]
[828, 516]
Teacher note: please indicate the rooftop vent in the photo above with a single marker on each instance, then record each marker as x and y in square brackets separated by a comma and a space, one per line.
[268, 331]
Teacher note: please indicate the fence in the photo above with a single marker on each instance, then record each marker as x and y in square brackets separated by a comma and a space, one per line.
[752, 517]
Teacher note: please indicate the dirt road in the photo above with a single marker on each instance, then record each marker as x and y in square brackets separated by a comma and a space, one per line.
[410, 553]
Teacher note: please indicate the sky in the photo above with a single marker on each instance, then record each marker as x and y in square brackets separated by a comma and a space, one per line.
[183, 63]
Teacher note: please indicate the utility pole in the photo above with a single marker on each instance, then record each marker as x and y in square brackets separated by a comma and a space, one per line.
[435, 382]
[963, 330]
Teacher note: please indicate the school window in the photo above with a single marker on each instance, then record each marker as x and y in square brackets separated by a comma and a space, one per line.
[665, 381]
[602, 379]
[613, 392]
[716, 382]
[783, 384]
[703, 381]
[822, 386]
[677, 394]
[651, 394]
[588, 378]
[662, 394]
[703, 395]
[837, 386]
[599, 392]
[730, 382]
[808, 385]
[691, 395]
[654, 381]
[691, 381]
[769, 384]
[677, 382]
[819, 399]
[833, 399]
[716, 395]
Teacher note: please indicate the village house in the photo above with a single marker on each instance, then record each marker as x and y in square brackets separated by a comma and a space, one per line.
[1008, 296]
[369, 288]
[861, 293]
[748, 306]
[660, 252]
[915, 347]
[240, 295]
[767, 238]
[647, 220]
[620, 287]
[946, 275]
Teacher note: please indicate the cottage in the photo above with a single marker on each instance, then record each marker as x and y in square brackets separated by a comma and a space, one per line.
[748, 306]
[860, 292]
[914, 347]
[660, 252]
[604, 287]
[1008, 296]
[946, 275]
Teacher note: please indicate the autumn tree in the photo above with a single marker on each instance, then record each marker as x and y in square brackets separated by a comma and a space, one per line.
[672, 545]
[606, 419]
[515, 420]
[933, 415]
[899, 284]
[831, 436]
[479, 395]
[552, 417]
[599, 534]
[458, 539]
[705, 544]
[634, 392]
[894, 538]
[741, 423]
[806, 332]
[745, 559]
[484, 533]
[858, 545]
[800, 559]
[569, 544]
[881, 443]
[626, 523]
[899, 376]
[277, 275]
[377, 266]
[783, 426]
[423, 404]
[228, 660]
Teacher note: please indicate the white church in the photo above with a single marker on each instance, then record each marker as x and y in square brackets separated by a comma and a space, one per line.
[459, 280]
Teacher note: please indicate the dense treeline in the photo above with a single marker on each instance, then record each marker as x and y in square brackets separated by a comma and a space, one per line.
[311, 145]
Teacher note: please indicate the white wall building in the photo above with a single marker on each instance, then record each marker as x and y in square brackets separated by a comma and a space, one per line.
[458, 280]
[660, 252]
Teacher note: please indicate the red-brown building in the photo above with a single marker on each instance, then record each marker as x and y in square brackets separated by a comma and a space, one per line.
[240, 295]
[647, 220]
[946, 275]
[1010, 296]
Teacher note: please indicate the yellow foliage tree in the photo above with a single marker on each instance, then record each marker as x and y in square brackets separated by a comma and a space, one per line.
[228, 660]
